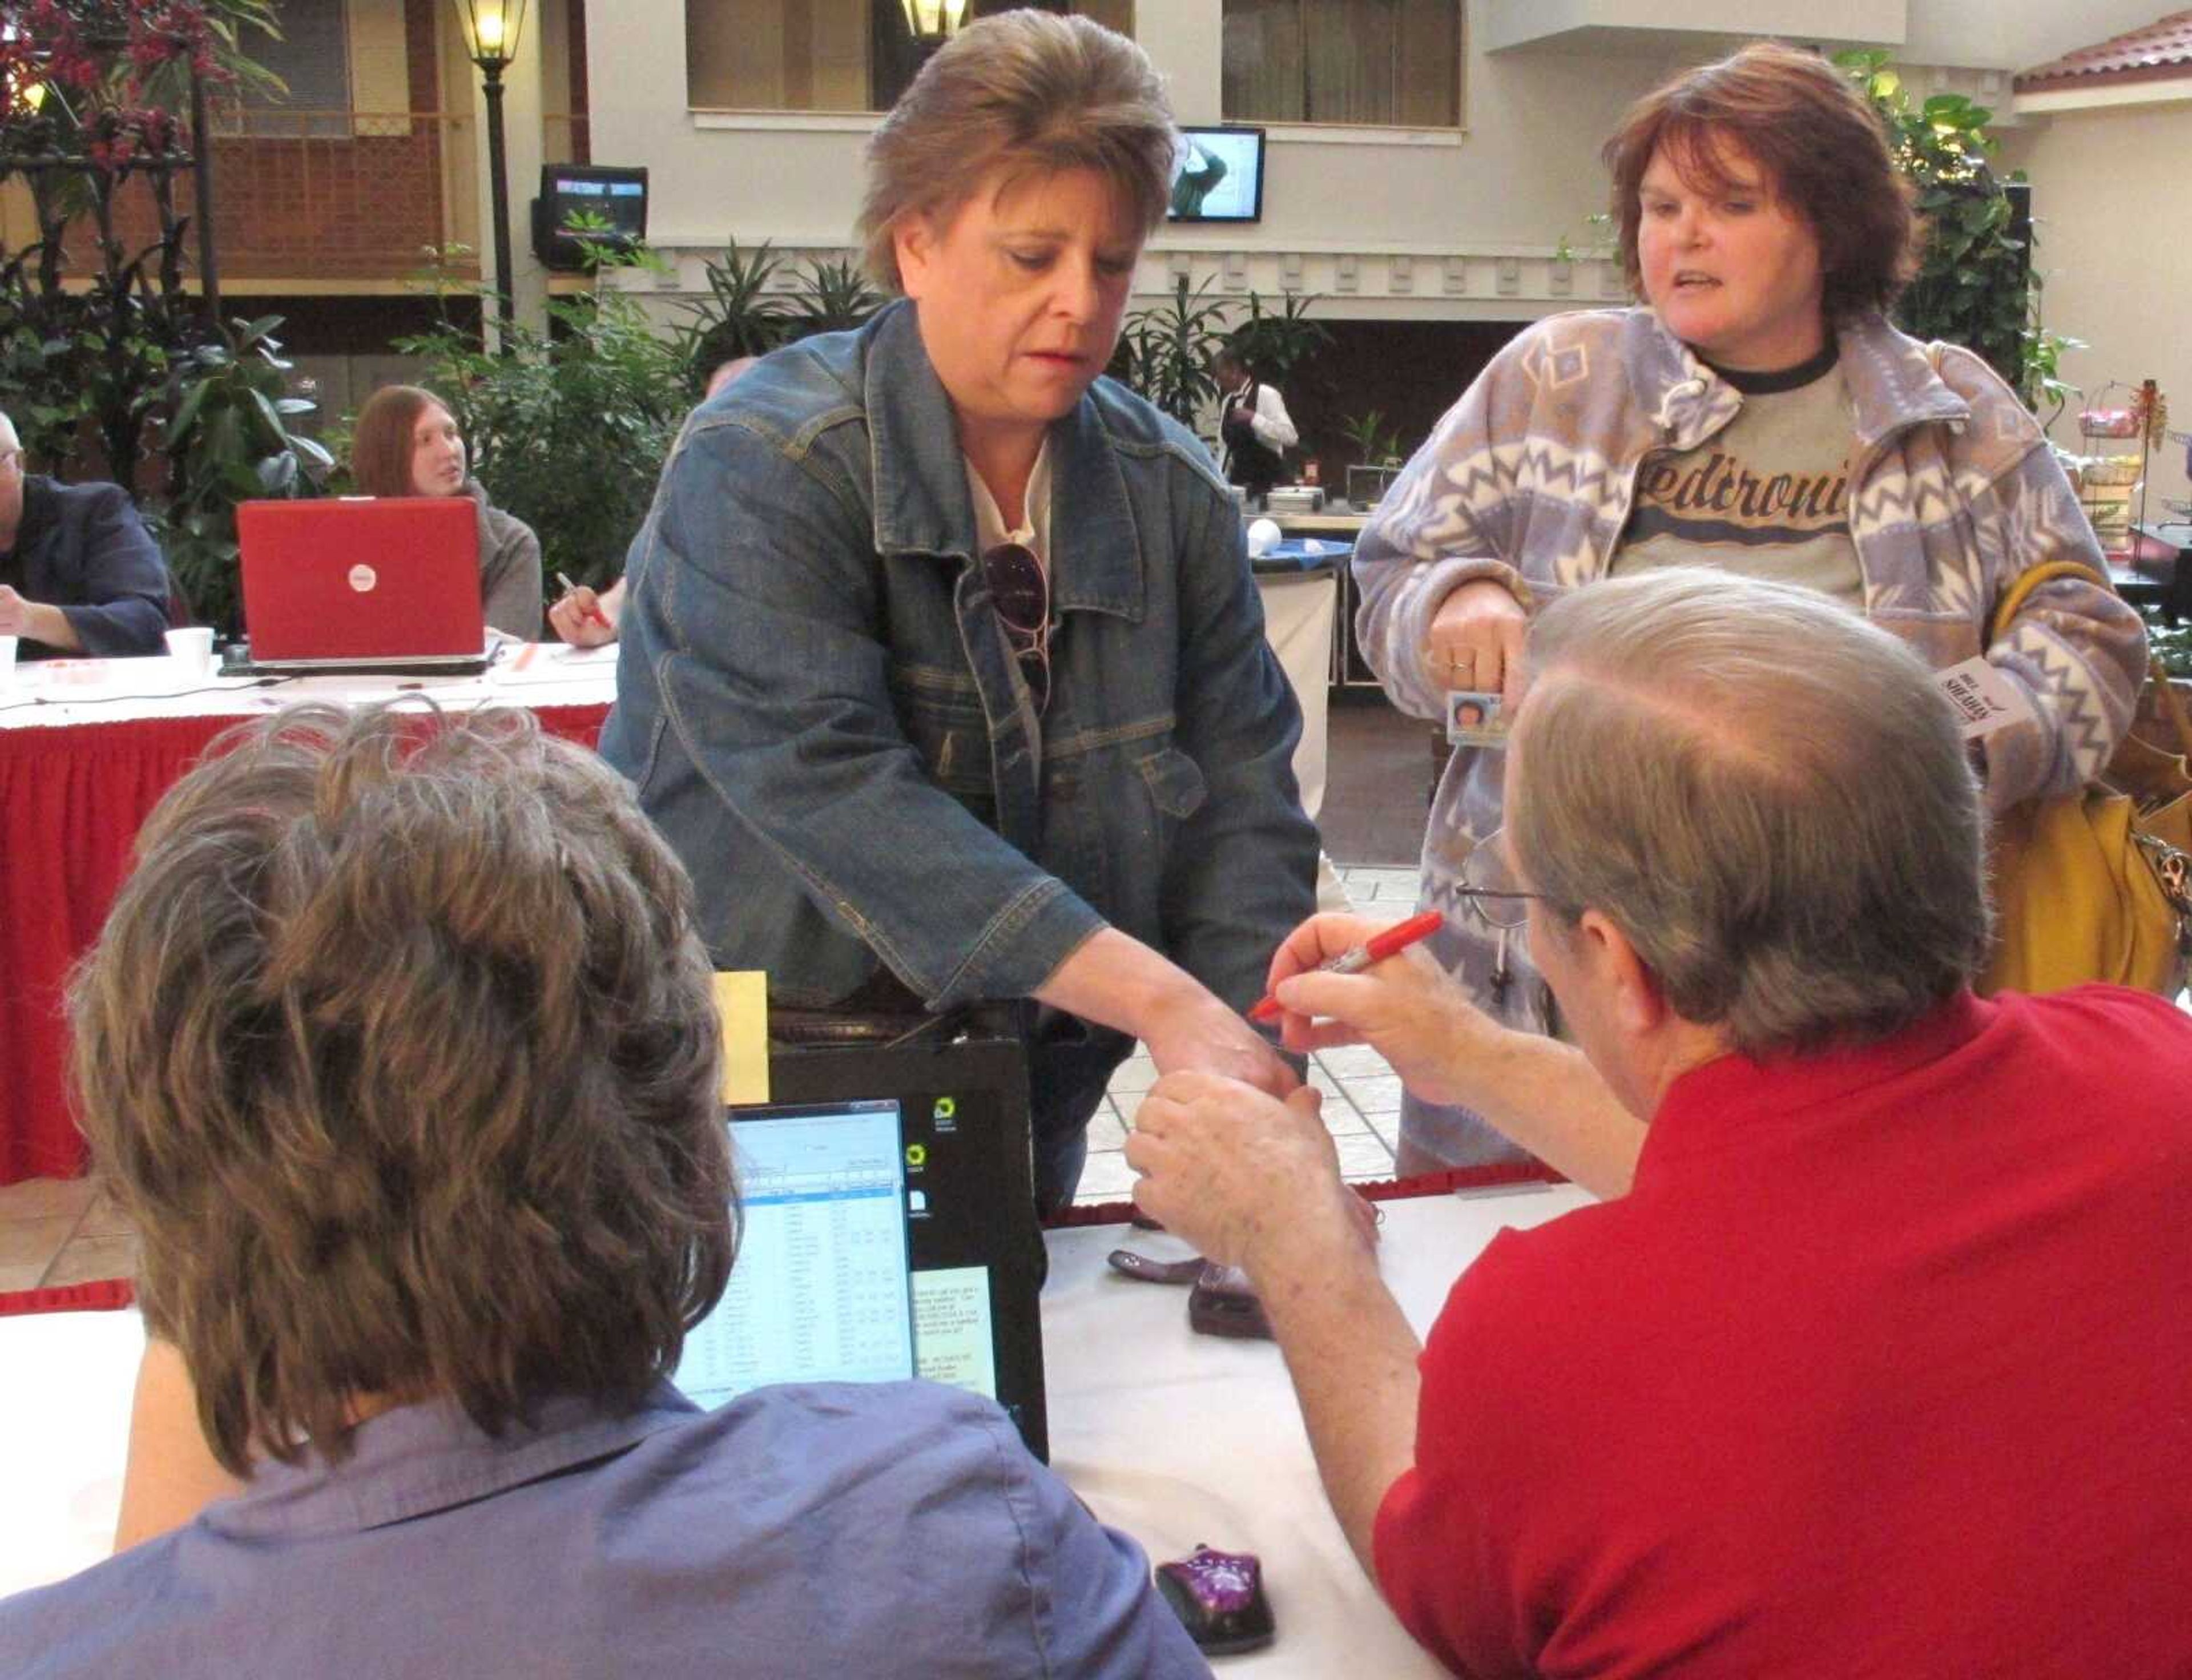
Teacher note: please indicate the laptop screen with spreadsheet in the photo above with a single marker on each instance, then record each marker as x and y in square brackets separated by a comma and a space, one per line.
[823, 1289]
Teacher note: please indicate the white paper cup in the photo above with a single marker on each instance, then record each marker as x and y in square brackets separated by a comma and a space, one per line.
[191, 649]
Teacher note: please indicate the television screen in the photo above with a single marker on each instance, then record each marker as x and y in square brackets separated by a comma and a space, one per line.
[1219, 176]
[616, 195]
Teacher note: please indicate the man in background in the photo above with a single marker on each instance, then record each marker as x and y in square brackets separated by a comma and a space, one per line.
[78, 572]
[1253, 426]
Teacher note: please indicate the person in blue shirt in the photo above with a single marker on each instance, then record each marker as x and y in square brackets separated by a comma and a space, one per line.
[399, 1050]
[945, 650]
[79, 574]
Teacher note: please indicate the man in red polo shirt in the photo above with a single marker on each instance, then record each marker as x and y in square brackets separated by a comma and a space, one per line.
[1878, 1358]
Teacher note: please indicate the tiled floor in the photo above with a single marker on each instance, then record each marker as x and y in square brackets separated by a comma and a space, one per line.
[55, 1231]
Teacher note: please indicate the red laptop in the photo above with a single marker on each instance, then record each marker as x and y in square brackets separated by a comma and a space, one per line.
[377, 583]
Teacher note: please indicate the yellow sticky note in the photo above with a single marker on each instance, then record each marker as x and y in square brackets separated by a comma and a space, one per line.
[742, 1000]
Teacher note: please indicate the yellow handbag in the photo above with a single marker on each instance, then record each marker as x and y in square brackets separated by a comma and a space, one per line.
[2098, 887]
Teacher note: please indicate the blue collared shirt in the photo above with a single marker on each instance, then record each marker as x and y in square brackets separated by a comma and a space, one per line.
[833, 1529]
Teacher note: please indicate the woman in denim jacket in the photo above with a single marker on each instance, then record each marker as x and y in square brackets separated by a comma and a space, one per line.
[942, 669]
[1759, 415]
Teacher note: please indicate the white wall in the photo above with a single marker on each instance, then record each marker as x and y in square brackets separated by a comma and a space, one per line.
[2017, 34]
[2106, 183]
[1385, 223]
[1426, 217]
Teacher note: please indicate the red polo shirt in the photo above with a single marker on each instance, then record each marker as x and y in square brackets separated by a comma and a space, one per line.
[1883, 1368]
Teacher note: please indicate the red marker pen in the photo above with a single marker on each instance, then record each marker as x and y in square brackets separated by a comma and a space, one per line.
[1375, 949]
[595, 613]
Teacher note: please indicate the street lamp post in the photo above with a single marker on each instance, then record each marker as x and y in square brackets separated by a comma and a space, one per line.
[492, 28]
[933, 22]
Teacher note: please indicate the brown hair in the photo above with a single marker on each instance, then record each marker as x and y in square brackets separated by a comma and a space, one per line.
[1039, 92]
[400, 1049]
[1823, 150]
[380, 447]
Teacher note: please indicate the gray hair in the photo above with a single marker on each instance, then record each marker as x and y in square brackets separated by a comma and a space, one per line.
[1765, 793]
[1025, 89]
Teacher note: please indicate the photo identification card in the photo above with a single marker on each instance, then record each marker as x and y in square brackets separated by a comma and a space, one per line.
[1983, 699]
[1473, 718]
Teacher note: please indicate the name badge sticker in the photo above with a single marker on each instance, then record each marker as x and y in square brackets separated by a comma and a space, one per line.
[1983, 699]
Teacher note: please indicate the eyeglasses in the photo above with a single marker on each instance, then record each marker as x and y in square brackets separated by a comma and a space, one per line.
[1495, 897]
[1020, 593]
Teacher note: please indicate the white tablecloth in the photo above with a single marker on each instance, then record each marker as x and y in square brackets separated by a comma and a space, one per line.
[52, 692]
[1173, 1437]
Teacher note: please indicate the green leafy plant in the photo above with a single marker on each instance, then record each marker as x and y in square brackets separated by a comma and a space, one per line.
[835, 298]
[112, 80]
[1274, 342]
[569, 427]
[1974, 286]
[1374, 443]
[1164, 351]
[227, 439]
[1598, 243]
[737, 317]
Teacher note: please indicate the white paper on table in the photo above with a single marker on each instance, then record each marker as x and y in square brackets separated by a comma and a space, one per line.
[553, 662]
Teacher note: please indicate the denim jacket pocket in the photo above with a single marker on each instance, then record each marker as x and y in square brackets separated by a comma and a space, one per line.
[941, 713]
[1175, 783]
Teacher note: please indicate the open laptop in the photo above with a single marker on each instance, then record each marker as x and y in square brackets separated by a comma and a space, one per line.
[387, 583]
[888, 1229]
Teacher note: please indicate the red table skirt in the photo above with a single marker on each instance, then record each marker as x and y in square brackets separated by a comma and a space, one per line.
[71, 800]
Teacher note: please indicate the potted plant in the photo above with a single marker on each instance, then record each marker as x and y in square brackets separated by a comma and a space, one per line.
[1379, 456]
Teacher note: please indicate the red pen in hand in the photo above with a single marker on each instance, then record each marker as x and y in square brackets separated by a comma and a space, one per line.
[1375, 949]
[595, 613]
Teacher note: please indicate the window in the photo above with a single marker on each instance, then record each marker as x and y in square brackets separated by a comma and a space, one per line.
[823, 55]
[311, 55]
[1395, 62]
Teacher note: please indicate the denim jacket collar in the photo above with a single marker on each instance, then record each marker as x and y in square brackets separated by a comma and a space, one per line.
[920, 502]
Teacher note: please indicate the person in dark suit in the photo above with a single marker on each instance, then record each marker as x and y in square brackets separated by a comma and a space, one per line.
[79, 574]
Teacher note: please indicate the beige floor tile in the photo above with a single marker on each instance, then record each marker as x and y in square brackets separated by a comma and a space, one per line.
[1106, 1178]
[1348, 1061]
[1342, 1118]
[1378, 1095]
[92, 1259]
[31, 1245]
[1365, 1157]
[1106, 1130]
[1135, 1075]
[45, 1199]
[104, 1218]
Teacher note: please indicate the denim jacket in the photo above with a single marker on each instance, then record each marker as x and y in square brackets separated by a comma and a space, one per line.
[819, 708]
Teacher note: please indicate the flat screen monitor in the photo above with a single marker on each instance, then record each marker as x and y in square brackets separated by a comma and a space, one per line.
[615, 193]
[1219, 176]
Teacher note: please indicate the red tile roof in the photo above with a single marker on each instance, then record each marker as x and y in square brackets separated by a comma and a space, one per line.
[2161, 50]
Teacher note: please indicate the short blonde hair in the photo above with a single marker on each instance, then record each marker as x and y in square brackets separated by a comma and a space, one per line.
[1026, 89]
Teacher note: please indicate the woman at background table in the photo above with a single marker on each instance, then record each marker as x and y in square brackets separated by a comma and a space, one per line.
[946, 651]
[406, 444]
[1756, 413]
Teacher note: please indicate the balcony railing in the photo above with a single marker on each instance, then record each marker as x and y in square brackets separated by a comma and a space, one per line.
[313, 196]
